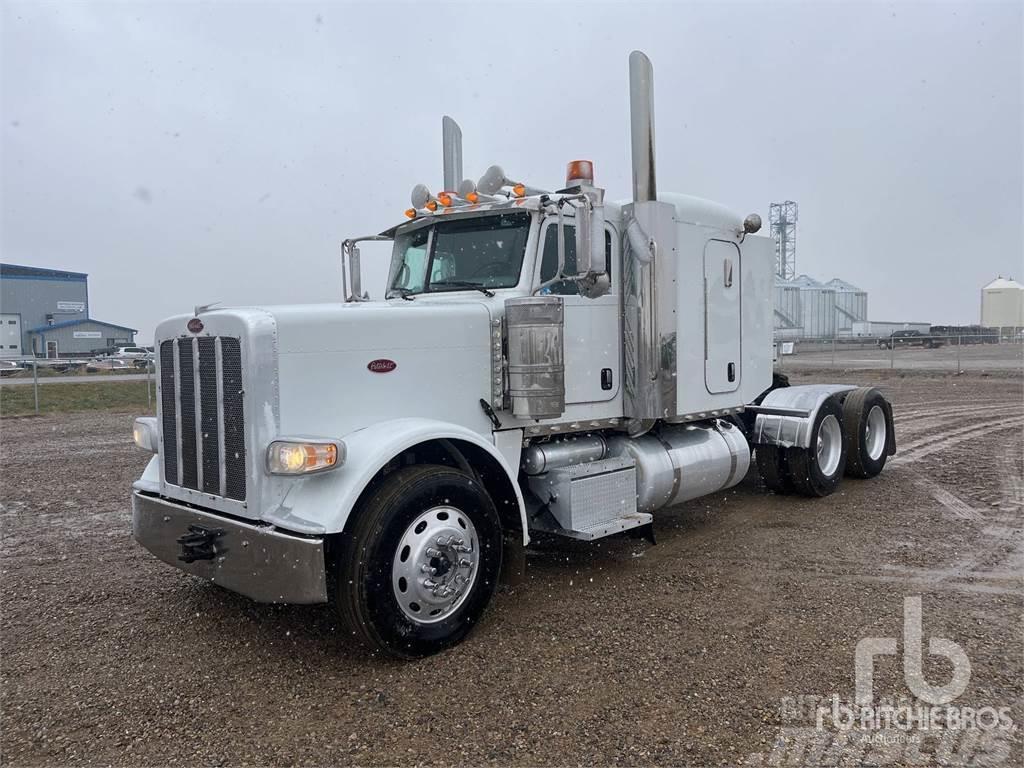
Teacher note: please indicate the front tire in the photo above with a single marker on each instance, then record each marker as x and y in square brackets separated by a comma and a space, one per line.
[419, 562]
[817, 470]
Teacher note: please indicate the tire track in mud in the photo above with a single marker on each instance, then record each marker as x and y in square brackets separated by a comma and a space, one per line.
[949, 501]
[918, 449]
[995, 535]
[950, 408]
[967, 573]
[918, 422]
[1004, 528]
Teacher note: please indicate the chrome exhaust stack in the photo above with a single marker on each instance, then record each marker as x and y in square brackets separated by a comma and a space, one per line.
[650, 318]
[451, 139]
[641, 125]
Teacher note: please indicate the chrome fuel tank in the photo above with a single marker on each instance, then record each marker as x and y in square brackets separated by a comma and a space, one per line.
[679, 463]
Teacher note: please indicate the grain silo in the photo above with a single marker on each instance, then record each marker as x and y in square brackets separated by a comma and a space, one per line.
[817, 308]
[788, 317]
[1002, 304]
[851, 305]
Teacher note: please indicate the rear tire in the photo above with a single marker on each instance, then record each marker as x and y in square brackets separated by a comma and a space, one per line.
[818, 469]
[419, 518]
[867, 419]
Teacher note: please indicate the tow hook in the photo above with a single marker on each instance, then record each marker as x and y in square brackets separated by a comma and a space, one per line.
[200, 543]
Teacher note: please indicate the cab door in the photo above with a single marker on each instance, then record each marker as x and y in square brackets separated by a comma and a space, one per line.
[592, 335]
[723, 316]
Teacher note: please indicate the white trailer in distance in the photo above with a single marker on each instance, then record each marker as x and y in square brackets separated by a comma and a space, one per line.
[543, 361]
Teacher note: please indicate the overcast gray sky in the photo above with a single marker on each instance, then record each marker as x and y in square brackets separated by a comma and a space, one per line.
[184, 153]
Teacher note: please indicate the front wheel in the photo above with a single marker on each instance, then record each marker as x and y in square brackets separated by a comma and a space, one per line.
[817, 469]
[419, 562]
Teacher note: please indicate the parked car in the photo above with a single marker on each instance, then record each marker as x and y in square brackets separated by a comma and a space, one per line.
[139, 356]
[110, 364]
[9, 367]
[910, 339]
[132, 353]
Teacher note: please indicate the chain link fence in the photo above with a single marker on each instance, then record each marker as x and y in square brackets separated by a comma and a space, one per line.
[37, 386]
[926, 352]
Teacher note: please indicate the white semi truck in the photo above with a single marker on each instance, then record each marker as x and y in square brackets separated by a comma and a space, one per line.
[541, 362]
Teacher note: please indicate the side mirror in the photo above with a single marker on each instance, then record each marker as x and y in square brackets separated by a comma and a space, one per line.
[355, 272]
[584, 252]
[590, 246]
[561, 244]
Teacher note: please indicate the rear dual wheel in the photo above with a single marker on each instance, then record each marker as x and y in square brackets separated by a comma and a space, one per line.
[817, 469]
[867, 417]
[812, 471]
[854, 438]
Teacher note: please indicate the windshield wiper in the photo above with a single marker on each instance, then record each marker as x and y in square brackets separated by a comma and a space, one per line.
[465, 284]
[403, 292]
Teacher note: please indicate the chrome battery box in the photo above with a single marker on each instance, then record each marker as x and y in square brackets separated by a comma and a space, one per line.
[591, 499]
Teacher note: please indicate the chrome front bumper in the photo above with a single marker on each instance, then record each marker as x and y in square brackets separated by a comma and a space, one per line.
[256, 561]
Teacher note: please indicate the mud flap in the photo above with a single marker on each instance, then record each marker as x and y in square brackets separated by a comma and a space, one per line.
[513, 560]
[890, 428]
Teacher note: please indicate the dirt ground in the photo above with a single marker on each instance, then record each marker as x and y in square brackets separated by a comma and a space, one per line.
[698, 650]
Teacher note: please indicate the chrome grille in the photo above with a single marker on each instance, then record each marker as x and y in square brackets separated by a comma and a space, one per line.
[202, 416]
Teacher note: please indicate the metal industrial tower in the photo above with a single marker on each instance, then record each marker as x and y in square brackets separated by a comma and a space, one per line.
[782, 217]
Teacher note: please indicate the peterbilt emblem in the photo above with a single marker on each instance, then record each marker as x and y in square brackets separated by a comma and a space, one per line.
[381, 366]
[195, 325]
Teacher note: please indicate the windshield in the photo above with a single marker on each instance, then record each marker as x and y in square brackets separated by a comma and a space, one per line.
[460, 254]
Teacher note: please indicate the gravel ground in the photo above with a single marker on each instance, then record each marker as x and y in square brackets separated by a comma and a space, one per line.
[689, 652]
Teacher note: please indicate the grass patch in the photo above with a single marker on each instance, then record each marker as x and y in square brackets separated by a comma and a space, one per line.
[65, 398]
[45, 372]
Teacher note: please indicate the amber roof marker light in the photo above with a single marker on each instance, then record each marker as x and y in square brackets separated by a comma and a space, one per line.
[579, 172]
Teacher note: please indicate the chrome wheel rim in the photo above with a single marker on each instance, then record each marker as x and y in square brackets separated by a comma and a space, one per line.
[830, 448]
[874, 432]
[435, 565]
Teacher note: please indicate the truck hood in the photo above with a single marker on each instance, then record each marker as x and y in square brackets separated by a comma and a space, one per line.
[344, 367]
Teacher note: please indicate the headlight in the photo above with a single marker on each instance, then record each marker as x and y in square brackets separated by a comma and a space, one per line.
[144, 432]
[300, 457]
